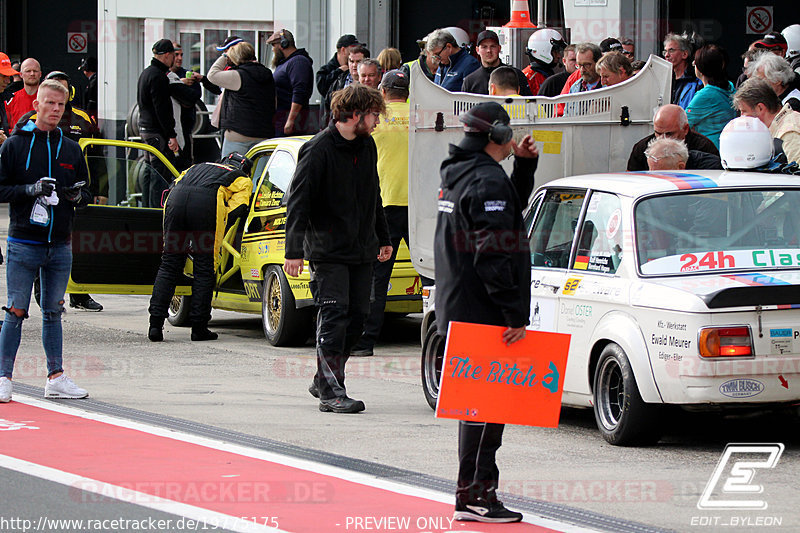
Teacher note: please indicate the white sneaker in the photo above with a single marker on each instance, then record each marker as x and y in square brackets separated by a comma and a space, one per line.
[63, 387]
[5, 390]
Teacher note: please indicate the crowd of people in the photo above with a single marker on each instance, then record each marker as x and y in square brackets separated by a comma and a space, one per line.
[347, 210]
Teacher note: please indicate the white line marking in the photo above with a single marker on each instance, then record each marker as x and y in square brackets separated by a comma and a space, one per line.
[302, 464]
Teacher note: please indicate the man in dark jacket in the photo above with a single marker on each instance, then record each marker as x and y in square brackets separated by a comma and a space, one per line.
[455, 62]
[89, 68]
[670, 121]
[337, 65]
[483, 274]
[489, 53]
[335, 220]
[43, 177]
[156, 120]
[196, 212]
[294, 83]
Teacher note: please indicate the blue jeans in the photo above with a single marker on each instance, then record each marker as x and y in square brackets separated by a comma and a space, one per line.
[228, 147]
[24, 261]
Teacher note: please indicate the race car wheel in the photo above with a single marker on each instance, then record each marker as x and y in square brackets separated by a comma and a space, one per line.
[432, 362]
[284, 324]
[623, 418]
[178, 311]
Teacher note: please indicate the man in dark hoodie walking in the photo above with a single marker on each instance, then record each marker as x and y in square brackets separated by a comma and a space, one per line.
[43, 176]
[335, 220]
[294, 83]
[483, 274]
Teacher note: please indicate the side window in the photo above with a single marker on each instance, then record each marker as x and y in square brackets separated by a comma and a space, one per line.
[277, 175]
[600, 241]
[554, 228]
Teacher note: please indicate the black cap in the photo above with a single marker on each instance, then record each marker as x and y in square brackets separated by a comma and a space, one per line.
[347, 39]
[163, 46]
[487, 34]
[477, 123]
[610, 44]
[395, 79]
[772, 40]
[230, 41]
[89, 64]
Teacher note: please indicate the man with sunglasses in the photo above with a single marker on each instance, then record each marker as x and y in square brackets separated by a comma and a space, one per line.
[455, 63]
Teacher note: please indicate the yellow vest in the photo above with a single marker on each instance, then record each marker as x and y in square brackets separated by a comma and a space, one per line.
[391, 138]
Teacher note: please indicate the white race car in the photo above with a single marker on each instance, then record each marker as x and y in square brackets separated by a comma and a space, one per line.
[678, 288]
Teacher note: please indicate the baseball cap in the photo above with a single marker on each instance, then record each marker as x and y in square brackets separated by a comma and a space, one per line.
[280, 34]
[477, 122]
[5, 66]
[610, 44]
[347, 39]
[395, 79]
[772, 39]
[230, 41]
[487, 34]
[163, 46]
[89, 64]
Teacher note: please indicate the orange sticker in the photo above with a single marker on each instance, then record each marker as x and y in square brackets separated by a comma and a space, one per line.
[483, 380]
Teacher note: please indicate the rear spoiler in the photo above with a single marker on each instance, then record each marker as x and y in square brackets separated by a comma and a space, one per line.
[751, 296]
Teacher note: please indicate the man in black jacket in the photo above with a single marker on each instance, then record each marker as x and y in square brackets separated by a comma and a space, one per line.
[156, 120]
[335, 220]
[337, 65]
[483, 274]
[43, 177]
[489, 53]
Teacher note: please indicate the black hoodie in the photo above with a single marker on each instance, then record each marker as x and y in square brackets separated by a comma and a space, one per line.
[481, 252]
[28, 155]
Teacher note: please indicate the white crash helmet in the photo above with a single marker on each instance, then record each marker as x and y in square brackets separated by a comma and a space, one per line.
[461, 37]
[541, 44]
[745, 143]
[792, 36]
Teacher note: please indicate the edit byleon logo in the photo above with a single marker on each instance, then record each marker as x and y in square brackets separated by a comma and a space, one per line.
[731, 486]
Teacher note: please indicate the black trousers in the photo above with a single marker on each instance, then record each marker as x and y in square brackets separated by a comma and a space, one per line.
[155, 183]
[478, 475]
[341, 293]
[397, 219]
[189, 226]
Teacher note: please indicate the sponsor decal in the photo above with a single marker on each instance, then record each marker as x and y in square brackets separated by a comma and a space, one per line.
[255, 273]
[446, 206]
[614, 221]
[494, 205]
[253, 290]
[741, 388]
[570, 286]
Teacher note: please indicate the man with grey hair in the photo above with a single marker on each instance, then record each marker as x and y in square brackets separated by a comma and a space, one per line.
[455, 63]
[755, 98]
[369, 72]
[671, 121]
[678, 51]
[664, 153]
[778, 73]
[587, 55]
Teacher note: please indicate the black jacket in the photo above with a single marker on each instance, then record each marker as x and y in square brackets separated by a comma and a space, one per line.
[153, 97]
[694, 141]
[327, 74]
[251, 109]
[335, 211]
[553, 85]
[28, 155]
[481, 252]
[478, 81]
[703, 161]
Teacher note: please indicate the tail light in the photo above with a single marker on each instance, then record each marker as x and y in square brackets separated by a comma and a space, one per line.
[725, 342]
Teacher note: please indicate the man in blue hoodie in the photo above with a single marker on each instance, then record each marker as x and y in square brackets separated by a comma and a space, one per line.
[43, 176]
[455, 63]
[294, 83]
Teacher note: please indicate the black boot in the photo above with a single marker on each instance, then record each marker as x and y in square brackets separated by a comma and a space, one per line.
[156, 331]
[200, 332]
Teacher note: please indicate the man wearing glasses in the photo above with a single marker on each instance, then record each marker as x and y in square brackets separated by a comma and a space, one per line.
[678, 51]
[455, 63]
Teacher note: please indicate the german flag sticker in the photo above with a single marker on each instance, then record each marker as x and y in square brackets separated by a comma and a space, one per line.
[581, 262]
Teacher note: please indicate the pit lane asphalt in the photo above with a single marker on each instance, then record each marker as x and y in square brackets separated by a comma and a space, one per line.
[242, 385]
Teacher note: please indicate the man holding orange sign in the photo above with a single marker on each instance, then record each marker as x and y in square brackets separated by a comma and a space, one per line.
[483, 274]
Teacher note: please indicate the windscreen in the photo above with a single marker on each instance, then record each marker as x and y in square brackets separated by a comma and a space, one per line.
[718, 231]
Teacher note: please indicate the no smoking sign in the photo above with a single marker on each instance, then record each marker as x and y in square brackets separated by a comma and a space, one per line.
[759, 20]
[77, 42]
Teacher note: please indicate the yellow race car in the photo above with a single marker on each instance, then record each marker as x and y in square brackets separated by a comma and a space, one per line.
[116, 248]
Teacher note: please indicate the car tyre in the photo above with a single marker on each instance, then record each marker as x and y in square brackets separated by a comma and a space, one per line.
[178, 310]
[623, 418]
[284, 324]
[432, 362]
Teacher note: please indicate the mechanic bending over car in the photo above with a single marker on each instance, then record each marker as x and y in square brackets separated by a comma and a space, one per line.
[479, 281]
[195, 216]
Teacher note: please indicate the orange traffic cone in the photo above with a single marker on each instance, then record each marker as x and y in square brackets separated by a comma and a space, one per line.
[520, 18]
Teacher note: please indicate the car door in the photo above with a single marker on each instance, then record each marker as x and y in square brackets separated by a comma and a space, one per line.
[552, 234]
[116, 247]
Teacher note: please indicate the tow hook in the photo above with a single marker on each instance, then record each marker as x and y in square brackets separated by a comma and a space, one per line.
[758, 314]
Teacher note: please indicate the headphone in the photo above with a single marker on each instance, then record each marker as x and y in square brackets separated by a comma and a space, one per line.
[59, 75]
[499, 132]
[285, 41]
[237, 161]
